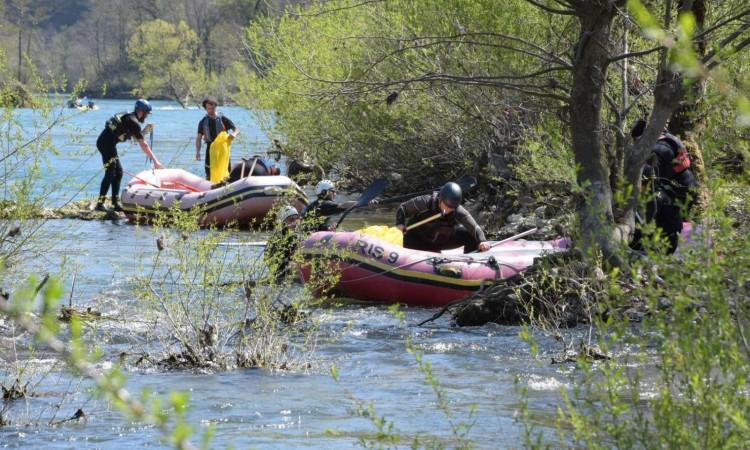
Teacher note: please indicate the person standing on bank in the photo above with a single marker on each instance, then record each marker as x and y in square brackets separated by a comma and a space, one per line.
[209, 127]
[120, 128]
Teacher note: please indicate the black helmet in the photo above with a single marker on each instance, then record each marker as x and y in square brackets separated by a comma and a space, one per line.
[211, 100]
[451, 194]
[142, 105]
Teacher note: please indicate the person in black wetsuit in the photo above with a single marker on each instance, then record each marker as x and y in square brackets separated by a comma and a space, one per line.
[669, 185]
[455, 228]
[209, 127]
[120, 128]
[319, 211]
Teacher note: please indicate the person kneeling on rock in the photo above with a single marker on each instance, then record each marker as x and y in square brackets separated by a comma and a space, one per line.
[451, 226]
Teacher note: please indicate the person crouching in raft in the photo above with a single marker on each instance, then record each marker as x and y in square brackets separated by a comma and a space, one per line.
[454, 228]
[323, 206]
[120, 128]
[209, 127]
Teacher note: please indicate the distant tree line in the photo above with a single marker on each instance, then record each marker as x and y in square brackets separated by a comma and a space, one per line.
[165, 48]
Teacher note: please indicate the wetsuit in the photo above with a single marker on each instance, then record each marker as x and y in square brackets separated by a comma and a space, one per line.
[672, 193]
[209, 128]
[682, 180]
[661, 208]
[449, 231]
[119, 128]
[320, 211]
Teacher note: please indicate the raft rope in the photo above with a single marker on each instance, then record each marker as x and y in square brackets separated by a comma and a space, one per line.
[393, 269]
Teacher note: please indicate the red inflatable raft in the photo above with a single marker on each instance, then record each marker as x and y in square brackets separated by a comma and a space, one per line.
[244, 202]
[373, 270]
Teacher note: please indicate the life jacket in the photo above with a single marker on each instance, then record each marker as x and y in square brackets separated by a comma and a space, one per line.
[114, 125]
[206, 130]
[681, 158]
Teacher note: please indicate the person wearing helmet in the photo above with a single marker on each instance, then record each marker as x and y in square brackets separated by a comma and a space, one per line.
[209, 127]
[120, 128]
[283, 244]
[455, 227]
[324, 206]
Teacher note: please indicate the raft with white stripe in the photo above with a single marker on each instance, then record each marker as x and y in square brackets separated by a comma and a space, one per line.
[373, 270]
[245, 202]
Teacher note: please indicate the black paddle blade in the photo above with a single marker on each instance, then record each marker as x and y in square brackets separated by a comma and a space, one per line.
[376, 188]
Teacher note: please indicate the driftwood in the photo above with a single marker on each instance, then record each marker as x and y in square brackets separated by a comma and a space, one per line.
[559, 290]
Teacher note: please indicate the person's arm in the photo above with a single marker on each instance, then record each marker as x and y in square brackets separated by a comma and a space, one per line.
[411, 208]
[329, 208]
[147, 150]
[198, 145]
[471, 225]
[229, 125]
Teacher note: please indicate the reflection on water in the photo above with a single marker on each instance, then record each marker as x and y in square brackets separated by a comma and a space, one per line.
[258, 408]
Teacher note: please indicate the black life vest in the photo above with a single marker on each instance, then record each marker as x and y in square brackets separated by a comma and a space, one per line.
[116, 127]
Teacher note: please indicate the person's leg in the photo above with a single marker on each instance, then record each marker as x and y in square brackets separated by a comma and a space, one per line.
[118, 172]
[462, 237]
[109, 160]
[208, 161]
[414, 241]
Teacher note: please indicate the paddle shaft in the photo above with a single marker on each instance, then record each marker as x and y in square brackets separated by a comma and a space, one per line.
[424, 221]
[252, 168]
[512, 238]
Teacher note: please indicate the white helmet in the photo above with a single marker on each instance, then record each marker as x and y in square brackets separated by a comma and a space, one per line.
[287, 212]
[323, 186]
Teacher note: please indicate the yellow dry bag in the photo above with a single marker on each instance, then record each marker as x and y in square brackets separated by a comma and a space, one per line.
[219, 156]
[391, 235]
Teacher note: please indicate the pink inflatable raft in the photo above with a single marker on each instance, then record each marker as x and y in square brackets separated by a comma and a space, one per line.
[374, 270]
[244, 202]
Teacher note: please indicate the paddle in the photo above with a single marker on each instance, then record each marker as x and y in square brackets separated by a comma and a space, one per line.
[376, 188]
[467, 182]
[422, 222]
[512, 238]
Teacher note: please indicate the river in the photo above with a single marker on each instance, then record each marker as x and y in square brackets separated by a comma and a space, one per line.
[255, 408]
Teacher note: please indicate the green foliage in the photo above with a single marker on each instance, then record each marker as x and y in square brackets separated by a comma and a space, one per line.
[165, 55]
[414, 92]
[674, 381]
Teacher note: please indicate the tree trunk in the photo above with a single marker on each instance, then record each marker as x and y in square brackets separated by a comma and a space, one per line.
[689, 121]
[589, 80]
[20, 51]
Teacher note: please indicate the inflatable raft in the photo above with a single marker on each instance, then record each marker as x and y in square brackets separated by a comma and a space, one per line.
[373, 270]
[244, 202]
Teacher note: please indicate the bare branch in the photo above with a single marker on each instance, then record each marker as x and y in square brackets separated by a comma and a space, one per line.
[342, 8]
[549, 9]
[722, 23]
[726, 41]
[635, 54]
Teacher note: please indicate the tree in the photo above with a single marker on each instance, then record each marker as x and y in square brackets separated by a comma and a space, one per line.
[382, 76]
[165, 56]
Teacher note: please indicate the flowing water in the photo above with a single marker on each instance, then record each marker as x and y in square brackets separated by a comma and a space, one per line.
[478, 367]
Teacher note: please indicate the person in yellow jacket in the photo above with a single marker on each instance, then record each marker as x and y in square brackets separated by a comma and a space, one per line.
[209, 128]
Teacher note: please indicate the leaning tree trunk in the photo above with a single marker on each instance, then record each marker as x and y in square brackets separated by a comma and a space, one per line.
[589, 81]
[689, 120]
